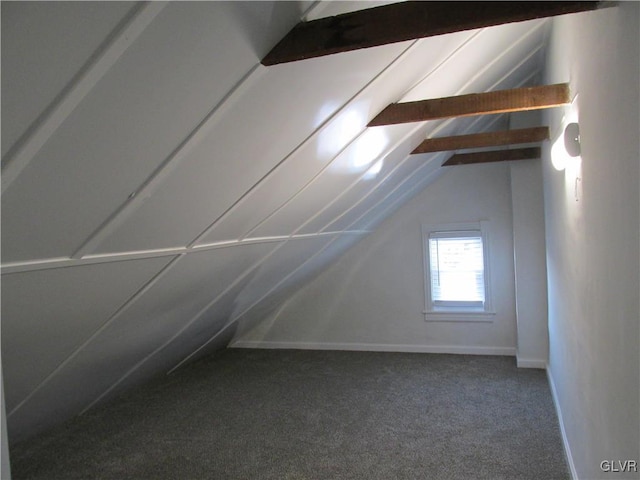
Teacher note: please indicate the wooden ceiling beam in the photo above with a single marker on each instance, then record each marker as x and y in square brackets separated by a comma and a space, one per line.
[487, 139]
[502, 101]
[407, 21]
[493, 156]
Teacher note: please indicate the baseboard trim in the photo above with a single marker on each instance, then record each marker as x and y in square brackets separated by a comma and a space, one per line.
[563, 433]
[377, 347]
[531, 363]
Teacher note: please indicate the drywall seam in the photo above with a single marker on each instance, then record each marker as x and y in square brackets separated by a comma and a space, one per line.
[186, 325]
[413, 131]
[335, 199]
[216, 335]
[124, 307]
[533, 52]
[65, 262]
[318, 131]
[385, 197]
[377, 347]
[202, 311]
[411, 175]
[433, 158]
[530, 32]
[281, 309]
[175, 158]
[314, 11]
[400, 199]
[563, 432]
[196, 317]
[481, 72]
[383, 73]
[415, 172]
[289, 275]
[118, 41]
[32, 265]
[53, 263]
[237, 316]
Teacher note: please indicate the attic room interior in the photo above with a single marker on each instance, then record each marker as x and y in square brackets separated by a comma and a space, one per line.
[320, 239]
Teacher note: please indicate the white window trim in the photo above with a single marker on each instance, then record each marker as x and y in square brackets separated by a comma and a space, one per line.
[458, 314]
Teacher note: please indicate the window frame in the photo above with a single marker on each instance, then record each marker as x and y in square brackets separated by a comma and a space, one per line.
[452, 312]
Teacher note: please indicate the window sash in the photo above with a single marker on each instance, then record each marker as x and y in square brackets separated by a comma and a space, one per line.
[456, 270]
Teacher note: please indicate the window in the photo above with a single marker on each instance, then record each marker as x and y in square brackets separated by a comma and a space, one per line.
[456, 272]
[456, 269]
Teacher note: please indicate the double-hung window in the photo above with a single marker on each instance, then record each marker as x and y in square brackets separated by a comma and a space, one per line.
[456, 272]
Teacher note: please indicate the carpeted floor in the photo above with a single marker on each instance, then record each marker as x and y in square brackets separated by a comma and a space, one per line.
[286, 414]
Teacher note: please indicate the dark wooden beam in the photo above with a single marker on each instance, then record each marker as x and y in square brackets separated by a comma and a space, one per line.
[407, 21]
[488, 139]
[493, 156]
[502, 101]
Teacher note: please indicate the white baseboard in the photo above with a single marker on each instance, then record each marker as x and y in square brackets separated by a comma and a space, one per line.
[531, 363]
[377, 347]
[565, 441]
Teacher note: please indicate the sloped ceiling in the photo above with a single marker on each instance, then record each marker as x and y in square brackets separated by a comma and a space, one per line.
[159, 183]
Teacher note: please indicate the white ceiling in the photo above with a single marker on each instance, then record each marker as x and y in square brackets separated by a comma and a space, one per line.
[159, 183]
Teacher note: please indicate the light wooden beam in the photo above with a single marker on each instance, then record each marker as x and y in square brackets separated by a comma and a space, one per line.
[502, 101]
[407, 21]
[488, 139]
[493, 156]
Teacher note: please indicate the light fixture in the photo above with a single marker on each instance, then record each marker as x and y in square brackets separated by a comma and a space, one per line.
[572, 139]
[566, 149]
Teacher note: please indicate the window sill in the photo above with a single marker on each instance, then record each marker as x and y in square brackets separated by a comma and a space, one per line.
[459, 316]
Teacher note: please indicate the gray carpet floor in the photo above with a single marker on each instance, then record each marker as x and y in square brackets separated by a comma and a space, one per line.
[286, 414]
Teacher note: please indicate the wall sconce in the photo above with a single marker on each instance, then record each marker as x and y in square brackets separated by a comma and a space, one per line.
[566, 147]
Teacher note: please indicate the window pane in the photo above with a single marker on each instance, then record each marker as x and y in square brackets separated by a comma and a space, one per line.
[457, 269]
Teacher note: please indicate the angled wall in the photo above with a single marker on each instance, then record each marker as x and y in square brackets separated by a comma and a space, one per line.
[592, 240]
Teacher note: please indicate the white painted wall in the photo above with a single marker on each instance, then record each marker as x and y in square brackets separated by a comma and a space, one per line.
[5, 468]
[373, 297]
[593, 242]
[530, 267]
